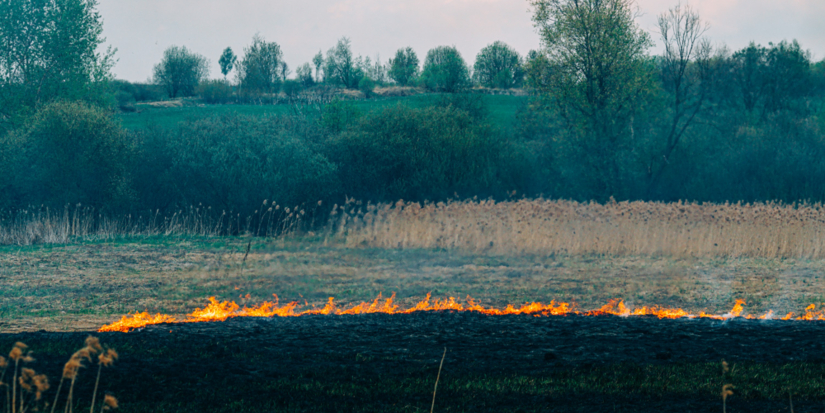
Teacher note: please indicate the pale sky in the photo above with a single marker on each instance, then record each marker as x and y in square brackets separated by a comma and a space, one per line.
[142, 29]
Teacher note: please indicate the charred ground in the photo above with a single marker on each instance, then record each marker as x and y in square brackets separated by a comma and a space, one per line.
[516, 363]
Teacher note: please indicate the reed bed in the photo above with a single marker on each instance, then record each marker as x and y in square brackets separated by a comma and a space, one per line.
[79, 223]
[541, 226]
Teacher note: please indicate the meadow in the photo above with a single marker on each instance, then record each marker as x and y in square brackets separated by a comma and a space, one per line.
[501, 109]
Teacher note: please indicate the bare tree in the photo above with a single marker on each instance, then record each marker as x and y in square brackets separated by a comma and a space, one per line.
[684, 71]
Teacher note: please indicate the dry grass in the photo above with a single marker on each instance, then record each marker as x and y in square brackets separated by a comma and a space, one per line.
[79, 223]
[543, 227]
[26, 390]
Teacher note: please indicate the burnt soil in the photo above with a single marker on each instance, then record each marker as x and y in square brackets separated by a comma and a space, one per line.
[383, 362]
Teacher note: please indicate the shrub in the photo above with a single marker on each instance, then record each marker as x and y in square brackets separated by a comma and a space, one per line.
[70, 153]
[418, 154]
[125, 101]
[215, 92]
[366, 86]
[292, 88]
[338, 115]
[235, 162]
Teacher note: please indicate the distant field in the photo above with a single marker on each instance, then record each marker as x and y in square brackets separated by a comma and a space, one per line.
[502, 110]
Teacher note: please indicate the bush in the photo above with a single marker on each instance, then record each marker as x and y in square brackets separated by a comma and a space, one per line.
[472, 103]
[417, 154]
[215, 92]
[125, 101]
[235, 162]
[139, 92]
[366, 86]
[292, 88]
[69, 153]
[148, 92]
[338, 115]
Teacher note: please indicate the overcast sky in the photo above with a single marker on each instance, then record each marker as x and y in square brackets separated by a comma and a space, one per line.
[142, 29]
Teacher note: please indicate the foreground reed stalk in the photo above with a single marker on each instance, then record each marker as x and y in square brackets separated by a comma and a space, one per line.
[432, 407]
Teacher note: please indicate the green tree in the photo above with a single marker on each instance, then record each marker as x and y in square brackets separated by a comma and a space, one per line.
[284, 70]
[227, 61]
[404, 67]
[341, 67]
[445, 70]
[748, 72]
[260, 69]
[180, 71]
[318, 61]
[304, 74]
[537, 71]
[789, 77]
[48, 51]
[598, 72]
[498, 66]
[772, 79]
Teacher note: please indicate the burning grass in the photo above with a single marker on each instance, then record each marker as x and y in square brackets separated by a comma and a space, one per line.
[543, 227]
[221, 311]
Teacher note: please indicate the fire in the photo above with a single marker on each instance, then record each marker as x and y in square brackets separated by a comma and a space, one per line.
[222, 310]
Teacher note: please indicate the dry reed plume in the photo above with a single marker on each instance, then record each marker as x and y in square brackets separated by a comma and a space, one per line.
[539, 226]
[25, 392]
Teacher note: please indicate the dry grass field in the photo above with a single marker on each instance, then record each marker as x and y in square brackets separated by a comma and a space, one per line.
[85, 285]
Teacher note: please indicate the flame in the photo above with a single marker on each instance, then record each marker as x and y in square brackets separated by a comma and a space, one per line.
[222, 310]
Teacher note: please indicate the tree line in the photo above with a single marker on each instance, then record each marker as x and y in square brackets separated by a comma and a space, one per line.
[261, 69]
[605, 119]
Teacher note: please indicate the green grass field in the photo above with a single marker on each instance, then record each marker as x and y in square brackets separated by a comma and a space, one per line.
[502, 110]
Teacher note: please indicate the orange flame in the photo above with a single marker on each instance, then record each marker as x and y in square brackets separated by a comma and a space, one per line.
[222, 310]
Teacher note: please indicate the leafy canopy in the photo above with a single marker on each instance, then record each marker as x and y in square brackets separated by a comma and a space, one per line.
[260, 69]
[227, 61]
[48, 51]
[445, 70]
[498, 66]
[180, 71]
[404, 67]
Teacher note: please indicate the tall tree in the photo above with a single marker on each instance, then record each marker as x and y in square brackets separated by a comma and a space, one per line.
[445, 70]
[260, 69]
[772, 79]
[48, 51]
[598, 72]
[498, 66]
[404, 67]
[318, 61]
[227, 61]
[284, 70]
[685, 71]
[304, 74]
[341, 67]
[180, 71]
